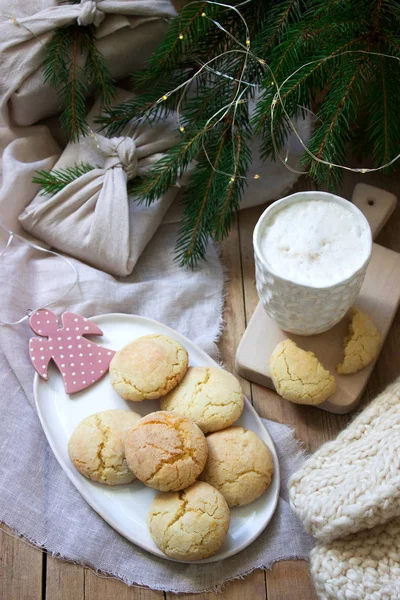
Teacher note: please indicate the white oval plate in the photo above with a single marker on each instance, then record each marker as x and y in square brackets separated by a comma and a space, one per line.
[125, 507]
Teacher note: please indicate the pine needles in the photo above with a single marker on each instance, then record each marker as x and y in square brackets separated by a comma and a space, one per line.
[72, 65]
[54, 181]
[341, 58]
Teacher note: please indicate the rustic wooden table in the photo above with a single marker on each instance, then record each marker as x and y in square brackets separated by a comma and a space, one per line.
[27, 573]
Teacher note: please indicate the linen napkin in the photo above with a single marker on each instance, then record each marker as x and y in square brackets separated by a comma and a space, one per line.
[189, 301]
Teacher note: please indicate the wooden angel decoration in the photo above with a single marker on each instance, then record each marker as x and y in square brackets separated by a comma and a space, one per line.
[81, 362]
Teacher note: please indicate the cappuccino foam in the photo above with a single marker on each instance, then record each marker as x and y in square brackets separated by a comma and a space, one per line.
[315, 242]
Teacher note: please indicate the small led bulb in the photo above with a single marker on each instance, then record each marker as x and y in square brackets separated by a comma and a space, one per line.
[181, 128]
[232, 179]
[363, 170]
[247, 42]
[165, 97]
[203, 14]
[256, 176]
[181, 36]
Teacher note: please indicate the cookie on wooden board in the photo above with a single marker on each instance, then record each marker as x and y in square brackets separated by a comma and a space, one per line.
[362, 344]
[298, 376]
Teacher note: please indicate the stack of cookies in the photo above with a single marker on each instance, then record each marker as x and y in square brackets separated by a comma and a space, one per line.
[188, 451]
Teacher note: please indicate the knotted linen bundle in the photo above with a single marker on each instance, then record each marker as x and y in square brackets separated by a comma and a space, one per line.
[93, 218]
[348, 497]
[126, 33]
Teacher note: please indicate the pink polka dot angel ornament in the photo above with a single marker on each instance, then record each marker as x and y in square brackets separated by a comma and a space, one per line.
[81, 362]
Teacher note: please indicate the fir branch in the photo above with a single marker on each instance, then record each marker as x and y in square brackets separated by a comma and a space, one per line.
[55, 62]
[96, 70]
[199, 210]
[166, 171]
[54, 181]
[326, 38]
[73, 93]
[62, 71]
[229, 204]
[185, 31]
[383, 129]
[338, 112]
[146, 107]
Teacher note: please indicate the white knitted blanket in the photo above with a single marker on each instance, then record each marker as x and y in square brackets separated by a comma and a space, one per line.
[363, 566]
[353, 482]
[348, 496]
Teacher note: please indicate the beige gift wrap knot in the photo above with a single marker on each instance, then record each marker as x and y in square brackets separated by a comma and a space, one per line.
[90, 13]
[121, 153]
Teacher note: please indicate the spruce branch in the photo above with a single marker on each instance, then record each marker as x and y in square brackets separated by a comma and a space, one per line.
[166, 171]
[200, 211]
[54, 181]
[96, 70]
[321, 55]
[61, 67]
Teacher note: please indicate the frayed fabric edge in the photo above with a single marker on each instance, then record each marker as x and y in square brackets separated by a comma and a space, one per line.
[26, 539]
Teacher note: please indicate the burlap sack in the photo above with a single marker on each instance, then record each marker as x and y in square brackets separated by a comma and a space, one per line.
[93, 218]
[127, 31]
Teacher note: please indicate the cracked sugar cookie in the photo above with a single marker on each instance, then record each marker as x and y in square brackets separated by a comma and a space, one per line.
[96, 447]
[148, 368]
[239, 465]
[166, 451]
[298, 375]
[189, 525]
[362, 344]
[210, 397]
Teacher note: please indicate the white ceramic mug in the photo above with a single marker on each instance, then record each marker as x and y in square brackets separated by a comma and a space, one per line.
[298, 308]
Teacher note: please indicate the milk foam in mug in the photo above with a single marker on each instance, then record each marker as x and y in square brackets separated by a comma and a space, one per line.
[312, 250]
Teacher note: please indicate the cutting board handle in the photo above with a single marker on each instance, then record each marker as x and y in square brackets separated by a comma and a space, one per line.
[376, 204]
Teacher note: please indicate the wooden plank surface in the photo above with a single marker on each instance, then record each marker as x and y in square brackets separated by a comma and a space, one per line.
[24, 572]
[20, 568]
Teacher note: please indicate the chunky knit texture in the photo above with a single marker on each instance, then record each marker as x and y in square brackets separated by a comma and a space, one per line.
[353, 482]
[363, 566]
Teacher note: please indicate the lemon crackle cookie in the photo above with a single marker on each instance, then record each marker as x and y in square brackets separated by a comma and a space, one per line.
[210, 397]
[362, 344]
[165, 451]
[239, 465]
[191, 524]
[298, 375]
[96, 447]
[148, 368]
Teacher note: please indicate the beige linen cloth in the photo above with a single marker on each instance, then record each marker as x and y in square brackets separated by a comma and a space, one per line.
[124, 28]
[191, 302]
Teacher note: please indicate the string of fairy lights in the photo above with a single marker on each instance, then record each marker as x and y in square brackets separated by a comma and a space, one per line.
[244, 47]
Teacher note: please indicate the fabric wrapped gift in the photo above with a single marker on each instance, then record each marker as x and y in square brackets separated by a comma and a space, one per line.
[127, 31]
[353, 482]
[92, 218]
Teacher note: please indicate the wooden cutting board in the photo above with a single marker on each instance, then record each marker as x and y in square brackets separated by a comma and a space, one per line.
[379, 297]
